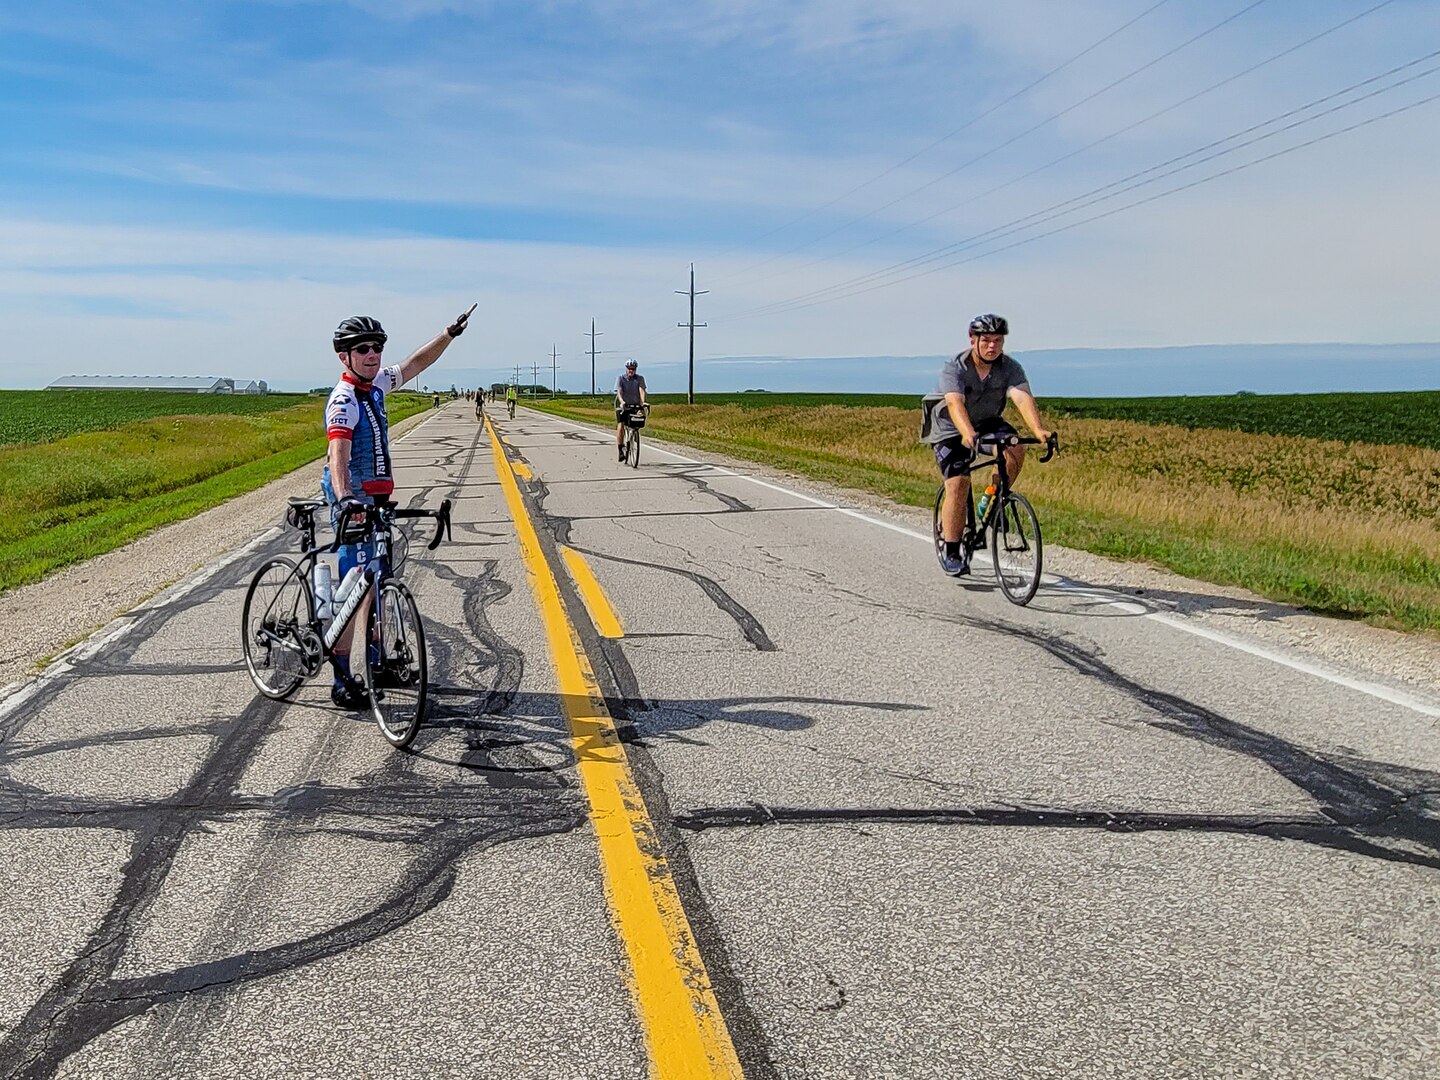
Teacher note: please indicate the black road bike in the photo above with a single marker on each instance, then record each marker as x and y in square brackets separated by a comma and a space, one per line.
[510, 406]
[633, 417]
[286, 642]
[1009, 519]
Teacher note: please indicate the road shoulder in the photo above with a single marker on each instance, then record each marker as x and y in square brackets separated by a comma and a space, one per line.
[45, 619]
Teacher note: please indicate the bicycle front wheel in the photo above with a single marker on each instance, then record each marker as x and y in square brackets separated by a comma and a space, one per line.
[395, 672]
[399, 550]
[1016, 546]
[633, 453]
[277, 608]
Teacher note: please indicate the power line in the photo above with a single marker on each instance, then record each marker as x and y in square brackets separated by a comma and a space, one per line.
[1090, 146]
[1014, 138]
[1120, 209]
[692, 324]
[1058, 209]
[593, 336]
[947, 137]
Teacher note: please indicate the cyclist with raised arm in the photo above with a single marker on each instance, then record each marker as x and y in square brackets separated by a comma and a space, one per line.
[629, 391]
[969, 402]
[357, 465]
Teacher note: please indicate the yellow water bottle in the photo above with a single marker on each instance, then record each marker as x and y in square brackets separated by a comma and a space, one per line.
[984, 503]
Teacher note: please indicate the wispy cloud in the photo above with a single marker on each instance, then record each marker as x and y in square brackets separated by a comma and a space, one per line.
[170, 172]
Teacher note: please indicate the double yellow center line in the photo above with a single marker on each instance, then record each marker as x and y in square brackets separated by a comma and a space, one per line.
[685, 1033]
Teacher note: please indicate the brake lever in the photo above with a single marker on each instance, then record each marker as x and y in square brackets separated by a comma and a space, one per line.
[1052, 447]
[442, 525]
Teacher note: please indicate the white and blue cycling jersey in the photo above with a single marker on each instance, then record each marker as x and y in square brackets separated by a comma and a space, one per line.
[356, 411]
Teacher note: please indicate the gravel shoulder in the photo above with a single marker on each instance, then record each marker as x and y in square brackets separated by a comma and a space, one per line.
[44, 619]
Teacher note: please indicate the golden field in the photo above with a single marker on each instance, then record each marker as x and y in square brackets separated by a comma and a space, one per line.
[1345, 528]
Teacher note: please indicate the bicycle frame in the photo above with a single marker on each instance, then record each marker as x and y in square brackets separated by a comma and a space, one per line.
[374, 529]
[998, 444]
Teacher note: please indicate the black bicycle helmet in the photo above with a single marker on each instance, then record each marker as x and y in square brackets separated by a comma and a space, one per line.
[989, 324]
[356, 329]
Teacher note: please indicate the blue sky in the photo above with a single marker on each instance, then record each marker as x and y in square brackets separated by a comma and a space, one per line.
[207, 187]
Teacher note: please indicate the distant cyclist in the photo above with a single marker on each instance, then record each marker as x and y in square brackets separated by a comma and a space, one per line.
[357, 468]
[969, 402]
[629, 390]
[511, 396]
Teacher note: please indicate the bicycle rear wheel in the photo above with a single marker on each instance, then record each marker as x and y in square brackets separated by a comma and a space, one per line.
[395, 671]
[277, 608]
[935, 531]
[1016, 546]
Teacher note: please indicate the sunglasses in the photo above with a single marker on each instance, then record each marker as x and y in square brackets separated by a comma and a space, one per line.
[366, 348]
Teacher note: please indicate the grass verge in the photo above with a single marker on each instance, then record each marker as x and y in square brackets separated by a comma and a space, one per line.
[74, 498]
[1346, 529]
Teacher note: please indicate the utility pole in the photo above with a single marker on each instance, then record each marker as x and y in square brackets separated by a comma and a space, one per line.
[534, 376]
[593, 336]
[692, 324]
[554, 370]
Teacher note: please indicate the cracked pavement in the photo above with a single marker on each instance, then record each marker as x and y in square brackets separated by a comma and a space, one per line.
[918, 832]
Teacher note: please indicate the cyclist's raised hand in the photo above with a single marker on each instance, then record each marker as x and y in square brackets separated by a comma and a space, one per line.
[457, 328]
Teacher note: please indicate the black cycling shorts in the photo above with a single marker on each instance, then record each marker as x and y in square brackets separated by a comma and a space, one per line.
[951, 454]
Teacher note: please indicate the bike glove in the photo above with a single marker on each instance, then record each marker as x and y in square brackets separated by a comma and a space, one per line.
[457, 328]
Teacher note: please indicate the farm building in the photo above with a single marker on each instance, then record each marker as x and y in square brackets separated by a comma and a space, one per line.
[179, 384]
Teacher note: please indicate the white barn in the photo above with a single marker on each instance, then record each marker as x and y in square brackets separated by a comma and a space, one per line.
[179, 384]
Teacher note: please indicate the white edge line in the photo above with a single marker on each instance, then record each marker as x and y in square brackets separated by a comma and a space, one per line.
[18, 692]
[1384, 693]
[1375, 690]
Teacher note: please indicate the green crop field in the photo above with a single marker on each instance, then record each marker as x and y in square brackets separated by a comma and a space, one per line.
[763, 399]
[1401, 419]
[81, 481]
[30, 416]
[1347, 525]
[1396, 419]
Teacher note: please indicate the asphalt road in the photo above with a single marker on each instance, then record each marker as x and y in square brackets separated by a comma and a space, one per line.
[913, 830]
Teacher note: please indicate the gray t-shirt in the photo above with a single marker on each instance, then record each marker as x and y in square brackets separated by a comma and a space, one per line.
[984, 398]
[628, 388]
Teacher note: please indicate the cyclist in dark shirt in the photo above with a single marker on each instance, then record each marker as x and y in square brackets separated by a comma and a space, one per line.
[629, 391]
[969, 402]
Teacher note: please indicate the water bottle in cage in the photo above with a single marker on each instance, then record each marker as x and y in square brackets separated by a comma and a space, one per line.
[324, 584]
[347, 586]
[984, 503]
